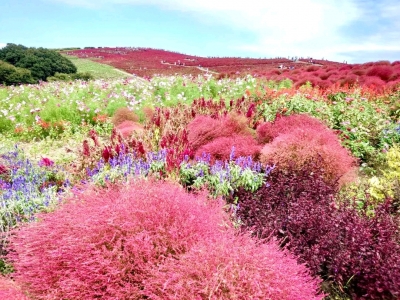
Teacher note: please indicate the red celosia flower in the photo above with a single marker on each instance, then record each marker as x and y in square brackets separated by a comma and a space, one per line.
[141, 148]
[86, 148]
[106, 154]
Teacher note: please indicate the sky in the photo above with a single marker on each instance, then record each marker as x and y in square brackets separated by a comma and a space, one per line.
[355, 31]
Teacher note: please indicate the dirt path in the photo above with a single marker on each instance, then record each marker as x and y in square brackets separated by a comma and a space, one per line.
[200, 68]
[123, 72]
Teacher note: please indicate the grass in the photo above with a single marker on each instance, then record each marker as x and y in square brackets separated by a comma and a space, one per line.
[98, 70]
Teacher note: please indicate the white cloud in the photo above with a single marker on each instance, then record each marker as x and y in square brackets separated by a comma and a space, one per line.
[2, 45]
[288, 27]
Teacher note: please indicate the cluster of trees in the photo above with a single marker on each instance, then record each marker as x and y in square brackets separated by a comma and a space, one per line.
[20, 64]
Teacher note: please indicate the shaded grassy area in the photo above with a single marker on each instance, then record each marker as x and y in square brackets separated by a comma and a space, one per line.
[99, 71]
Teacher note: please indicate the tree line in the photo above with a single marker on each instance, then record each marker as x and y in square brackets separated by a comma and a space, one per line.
[21, 65]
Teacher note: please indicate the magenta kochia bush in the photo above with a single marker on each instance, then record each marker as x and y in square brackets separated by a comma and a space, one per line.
[357, 253]
[217, 136]
[234, 267]
[9, 290]
[268, 131]
[221, 147]
[113, 243]
[102, 244]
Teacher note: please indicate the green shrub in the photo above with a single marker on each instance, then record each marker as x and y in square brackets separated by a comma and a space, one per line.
[388, 185]
[10, 75]
[41, 62]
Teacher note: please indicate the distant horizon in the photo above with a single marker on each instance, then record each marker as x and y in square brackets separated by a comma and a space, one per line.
[355, 31]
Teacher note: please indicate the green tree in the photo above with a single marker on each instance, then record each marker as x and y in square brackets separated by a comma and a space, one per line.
[10, 74]
[41, 62]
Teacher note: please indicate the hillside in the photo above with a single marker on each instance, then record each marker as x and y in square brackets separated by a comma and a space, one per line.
[147, 62]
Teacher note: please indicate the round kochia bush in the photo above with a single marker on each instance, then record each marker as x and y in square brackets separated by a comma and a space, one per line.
[217, 136]
[127, 242]
[9, 290]
[234, 267]
[296, 139]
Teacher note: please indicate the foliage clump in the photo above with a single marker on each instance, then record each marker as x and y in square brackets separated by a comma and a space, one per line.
[298, 139]
[388, 184]
[234, 267]
[124, 114]
[10, 74]
[9, 290]
[217, 136]
[41, 62]
[143, 240]
[350, 249]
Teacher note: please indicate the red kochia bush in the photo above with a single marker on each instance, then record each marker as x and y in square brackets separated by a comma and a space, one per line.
[267, 131]
[103, 243]
[382, 71]
[113, 244]
[298, 138]
[221, 147]
[234, 267]
[358, 253]
[9, 290]
[127, 128]
[124, 114]
[217, 136]
[302, 144]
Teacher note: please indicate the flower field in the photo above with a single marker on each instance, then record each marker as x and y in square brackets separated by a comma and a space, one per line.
[202, 186]
[322, 73]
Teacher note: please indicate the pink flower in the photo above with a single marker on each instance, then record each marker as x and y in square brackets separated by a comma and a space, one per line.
[46, 162]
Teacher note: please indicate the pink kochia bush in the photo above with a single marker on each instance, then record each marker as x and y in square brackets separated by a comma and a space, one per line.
[234, 267]
[295, 140]
[150, 240]
[217, 136]
[127, 128]
[9, 290]
[267, 131]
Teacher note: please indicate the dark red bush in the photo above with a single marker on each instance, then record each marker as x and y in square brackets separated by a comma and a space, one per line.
[359, 72]
[382, 63]
[355, 252]
[324, 84]
[325, 76]
[345, 68]
[395, 76]
[349, 80]
[234, 267]
[304, 79]
[382, 71]
[312, 68]
[373, 82]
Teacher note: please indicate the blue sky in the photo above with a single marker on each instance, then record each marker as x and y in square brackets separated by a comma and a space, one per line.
[353, 30]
